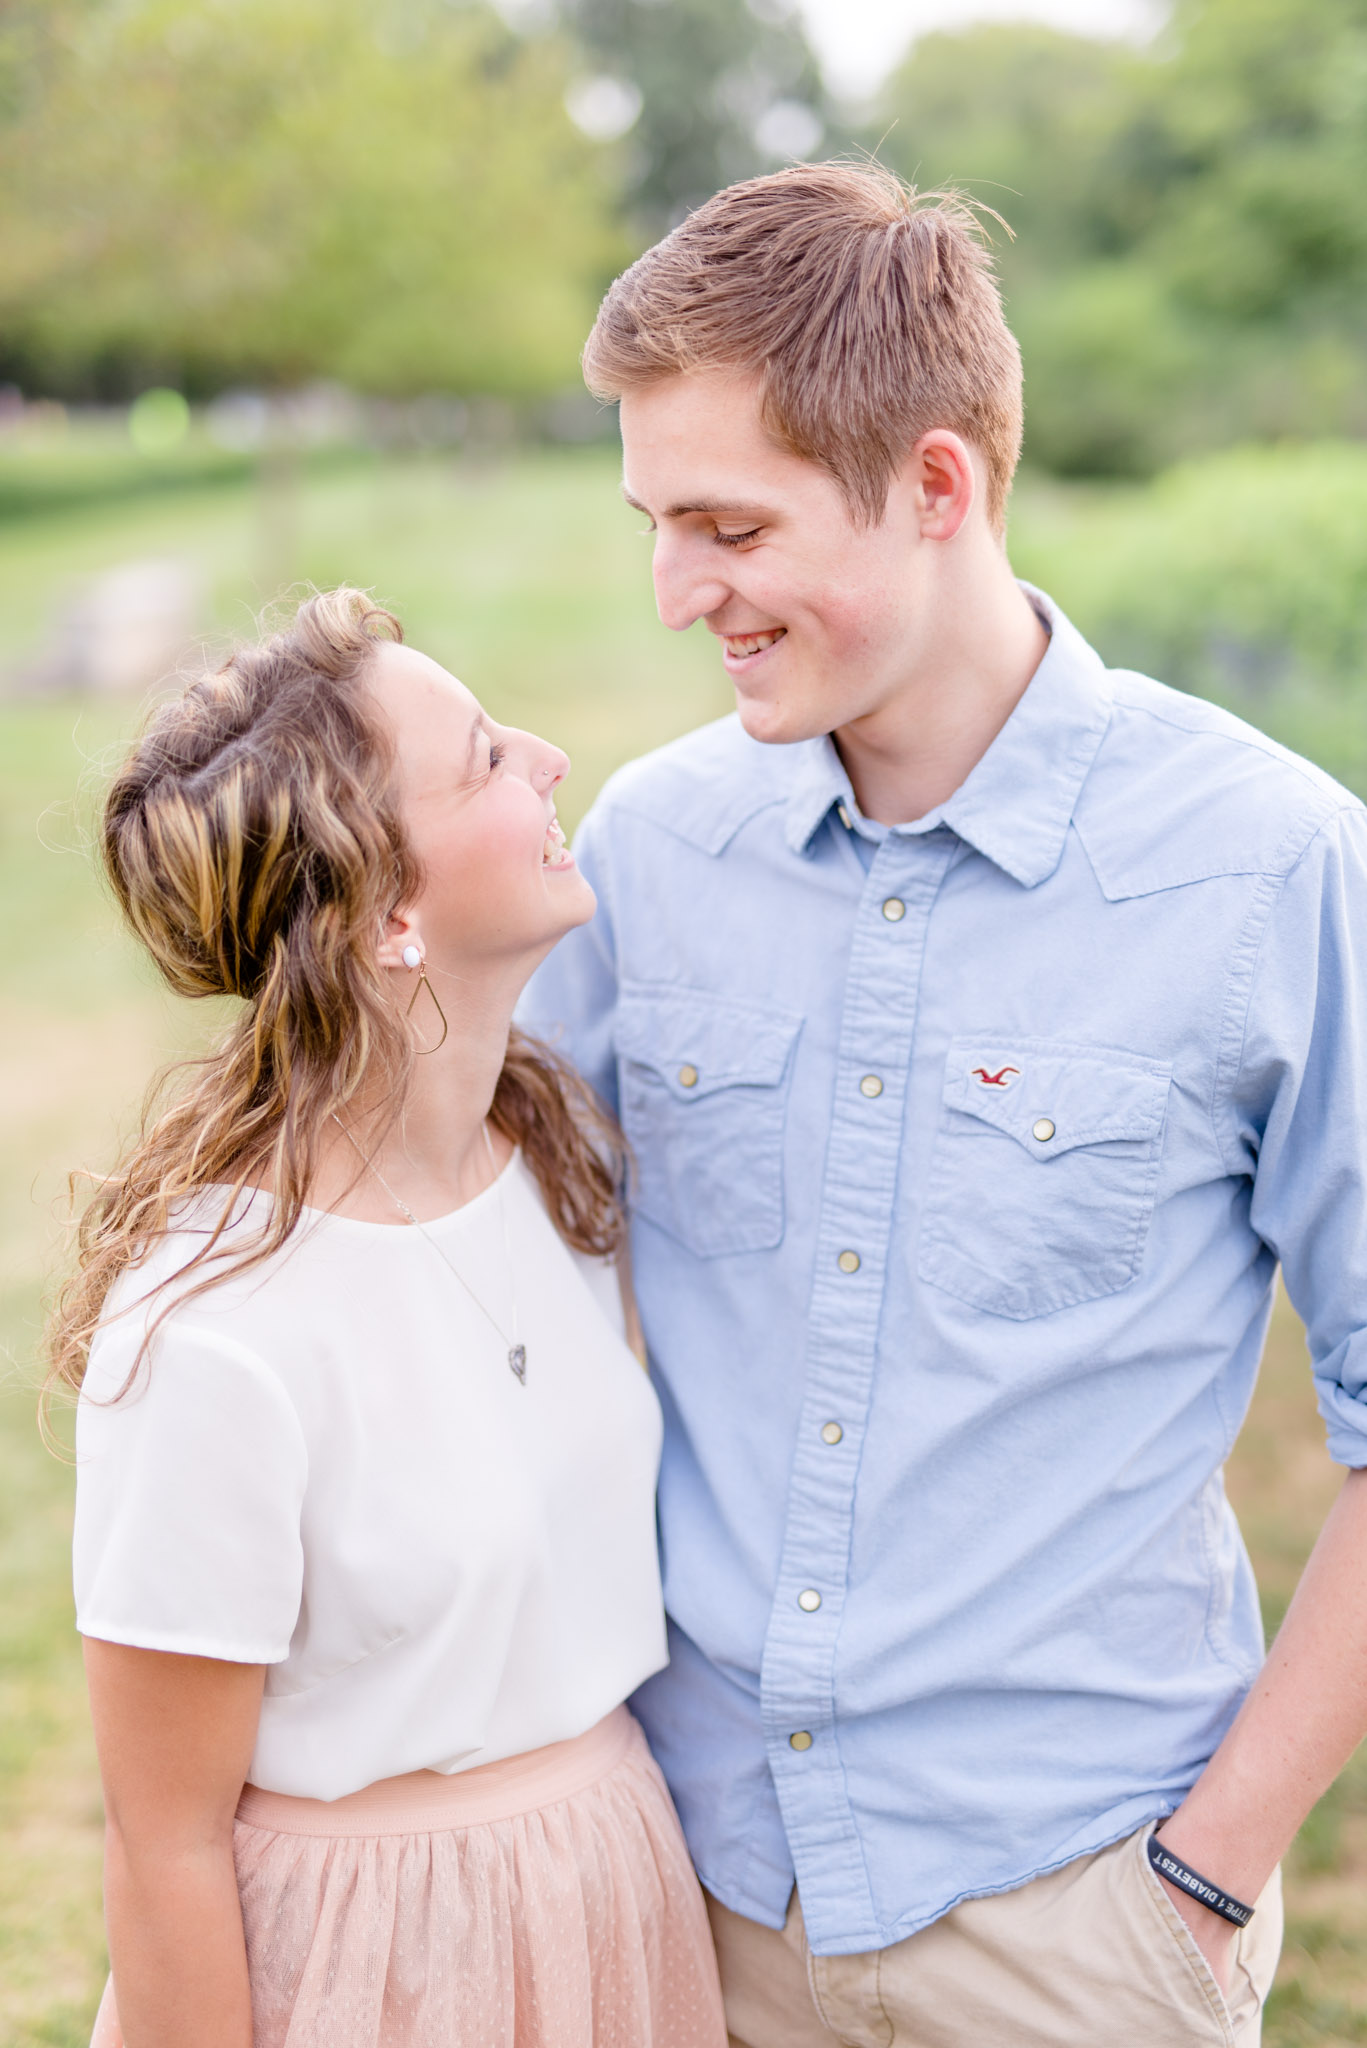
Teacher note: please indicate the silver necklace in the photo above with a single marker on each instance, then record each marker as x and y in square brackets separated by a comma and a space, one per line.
[517, 1351]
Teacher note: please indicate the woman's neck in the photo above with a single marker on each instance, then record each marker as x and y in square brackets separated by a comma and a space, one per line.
[435, 1155]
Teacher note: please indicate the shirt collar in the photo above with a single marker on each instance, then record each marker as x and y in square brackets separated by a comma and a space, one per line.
[1016, 804]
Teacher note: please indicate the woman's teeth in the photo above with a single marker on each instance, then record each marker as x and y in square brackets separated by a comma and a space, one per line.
[555, 853]
[739, 645]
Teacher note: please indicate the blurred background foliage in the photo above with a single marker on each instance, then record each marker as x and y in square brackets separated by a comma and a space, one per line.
[715, 91]
[413, 206]
[203, 192]
[413, 196]
[1190, 267]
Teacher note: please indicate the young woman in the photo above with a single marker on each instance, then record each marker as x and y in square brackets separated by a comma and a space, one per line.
[365, 1555]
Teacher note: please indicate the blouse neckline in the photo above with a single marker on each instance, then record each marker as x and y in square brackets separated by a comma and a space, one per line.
[400, 1227]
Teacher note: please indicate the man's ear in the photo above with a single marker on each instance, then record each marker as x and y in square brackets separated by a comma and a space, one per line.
[398, 931]
[946, 480]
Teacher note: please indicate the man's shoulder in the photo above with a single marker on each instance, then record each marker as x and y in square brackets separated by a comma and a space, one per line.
[1184, 791]
[701, 788]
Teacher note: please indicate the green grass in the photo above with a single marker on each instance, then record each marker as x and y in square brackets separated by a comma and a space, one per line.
[93, 464]
[531, 581]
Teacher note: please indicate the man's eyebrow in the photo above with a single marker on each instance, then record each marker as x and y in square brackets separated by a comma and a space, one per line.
[714, 508]
[476, 728]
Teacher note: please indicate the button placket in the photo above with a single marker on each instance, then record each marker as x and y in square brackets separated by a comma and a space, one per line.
[857, 1200]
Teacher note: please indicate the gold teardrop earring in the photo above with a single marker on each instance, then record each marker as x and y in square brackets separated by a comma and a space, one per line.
[413, 957]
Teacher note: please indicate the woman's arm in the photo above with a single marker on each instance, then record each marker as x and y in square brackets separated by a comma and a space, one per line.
[175, 1737]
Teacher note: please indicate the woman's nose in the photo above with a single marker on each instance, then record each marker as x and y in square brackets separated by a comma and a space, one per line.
[551, 768]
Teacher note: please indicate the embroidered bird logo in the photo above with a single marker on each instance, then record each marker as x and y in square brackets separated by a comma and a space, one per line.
[1001, 1079]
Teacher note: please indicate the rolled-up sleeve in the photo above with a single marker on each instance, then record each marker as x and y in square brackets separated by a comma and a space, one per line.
[1299, 1105]
[571, 999]
[189, 1496]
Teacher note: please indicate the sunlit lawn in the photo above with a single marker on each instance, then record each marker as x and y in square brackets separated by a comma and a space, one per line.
[531, 581]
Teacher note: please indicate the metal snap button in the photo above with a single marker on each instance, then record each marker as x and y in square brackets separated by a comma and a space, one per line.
[831, 1432]
[1042, 1129]
[871, 1086]
[848, 1262]
[800, 1740]
[688, 1077]
[894, 910]
[809, 1600]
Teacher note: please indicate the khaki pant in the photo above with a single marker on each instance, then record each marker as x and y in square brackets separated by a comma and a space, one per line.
[1093, 1956]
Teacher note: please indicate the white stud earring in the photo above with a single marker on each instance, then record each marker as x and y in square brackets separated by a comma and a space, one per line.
[412, 956]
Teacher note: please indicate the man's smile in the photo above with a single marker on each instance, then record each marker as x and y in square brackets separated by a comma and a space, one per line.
[742, 647]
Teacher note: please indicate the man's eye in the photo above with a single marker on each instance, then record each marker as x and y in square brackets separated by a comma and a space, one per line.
[735, 540]
[497, 756]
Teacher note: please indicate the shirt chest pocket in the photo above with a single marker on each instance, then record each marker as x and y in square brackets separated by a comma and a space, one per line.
[1042, 1179]
[703, 1086]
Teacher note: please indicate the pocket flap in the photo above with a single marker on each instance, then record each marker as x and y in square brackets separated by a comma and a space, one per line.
[698, 1042]
[1051, 1097]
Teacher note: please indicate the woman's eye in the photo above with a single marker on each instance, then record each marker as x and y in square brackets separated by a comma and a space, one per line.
[735, 540]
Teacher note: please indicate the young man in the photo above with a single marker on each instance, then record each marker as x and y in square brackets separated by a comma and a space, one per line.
[988, 1025]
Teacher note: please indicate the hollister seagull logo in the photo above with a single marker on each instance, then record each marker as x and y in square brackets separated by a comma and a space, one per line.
[1003, 1078]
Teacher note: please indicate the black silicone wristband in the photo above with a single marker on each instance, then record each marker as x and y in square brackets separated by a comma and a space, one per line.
[1199, 1888]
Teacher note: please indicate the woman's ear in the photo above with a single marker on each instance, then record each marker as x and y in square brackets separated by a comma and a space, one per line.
[398, 934]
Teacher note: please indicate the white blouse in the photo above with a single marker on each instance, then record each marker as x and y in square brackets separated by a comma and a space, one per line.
[328, 1466]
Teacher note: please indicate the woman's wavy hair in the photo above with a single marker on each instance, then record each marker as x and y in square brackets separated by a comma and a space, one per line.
[254, 844]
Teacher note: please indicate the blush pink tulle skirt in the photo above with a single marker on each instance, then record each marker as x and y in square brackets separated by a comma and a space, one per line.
[546, 1901]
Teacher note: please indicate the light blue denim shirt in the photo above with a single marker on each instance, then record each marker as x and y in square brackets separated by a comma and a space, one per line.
[964, 1168]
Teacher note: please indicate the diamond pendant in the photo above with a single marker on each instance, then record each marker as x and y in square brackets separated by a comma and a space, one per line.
[517, 1362]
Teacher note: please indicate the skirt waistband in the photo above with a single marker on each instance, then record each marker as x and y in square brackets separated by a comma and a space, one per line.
[425, 1802]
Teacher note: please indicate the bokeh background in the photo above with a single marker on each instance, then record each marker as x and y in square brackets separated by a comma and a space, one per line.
[292, 291]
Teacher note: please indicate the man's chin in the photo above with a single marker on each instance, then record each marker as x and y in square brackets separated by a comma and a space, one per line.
[778, 724]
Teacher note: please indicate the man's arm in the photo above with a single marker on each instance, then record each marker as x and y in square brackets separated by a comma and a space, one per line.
[1298, 1113]
[1298, 1727]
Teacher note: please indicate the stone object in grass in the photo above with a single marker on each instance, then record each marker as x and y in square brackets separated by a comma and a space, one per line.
[117, 634]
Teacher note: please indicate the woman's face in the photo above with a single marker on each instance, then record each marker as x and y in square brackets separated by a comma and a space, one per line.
[499, 886]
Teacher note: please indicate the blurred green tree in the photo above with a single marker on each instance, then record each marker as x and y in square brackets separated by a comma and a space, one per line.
[387, 192]
[1190, 267]
[715, 90]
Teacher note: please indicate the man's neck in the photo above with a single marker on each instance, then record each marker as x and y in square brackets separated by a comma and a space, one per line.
[910, 755]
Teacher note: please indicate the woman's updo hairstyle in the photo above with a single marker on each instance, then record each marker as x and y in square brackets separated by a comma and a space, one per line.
[251, 839]
[254, 843]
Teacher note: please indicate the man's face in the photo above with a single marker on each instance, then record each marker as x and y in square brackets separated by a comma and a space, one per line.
[817, 617]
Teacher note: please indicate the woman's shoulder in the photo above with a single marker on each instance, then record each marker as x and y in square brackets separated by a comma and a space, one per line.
[194, 1263]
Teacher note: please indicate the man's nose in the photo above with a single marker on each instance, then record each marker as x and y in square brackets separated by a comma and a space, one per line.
[686, 588]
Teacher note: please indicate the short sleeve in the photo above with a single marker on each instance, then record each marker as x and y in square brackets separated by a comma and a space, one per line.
[189, 1491]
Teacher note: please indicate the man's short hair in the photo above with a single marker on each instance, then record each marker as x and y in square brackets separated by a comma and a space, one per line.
[868, 311]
